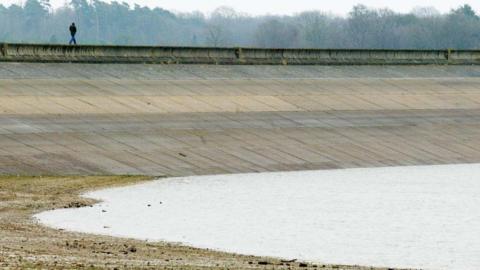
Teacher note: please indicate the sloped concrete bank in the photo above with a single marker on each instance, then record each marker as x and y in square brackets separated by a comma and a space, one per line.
[237, 56]
[177, 120]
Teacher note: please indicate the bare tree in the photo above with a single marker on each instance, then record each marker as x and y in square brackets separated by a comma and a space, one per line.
[314, 27]
[218, 27]
[216, 35]
[276, 33]
[425, 12]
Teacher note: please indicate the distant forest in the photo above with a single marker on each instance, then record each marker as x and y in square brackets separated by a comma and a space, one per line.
[120, 24]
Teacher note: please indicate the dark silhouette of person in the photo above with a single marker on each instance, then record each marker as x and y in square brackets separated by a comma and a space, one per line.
[73, 31]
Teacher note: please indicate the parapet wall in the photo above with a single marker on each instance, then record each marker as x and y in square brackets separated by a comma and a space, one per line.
[231, 56]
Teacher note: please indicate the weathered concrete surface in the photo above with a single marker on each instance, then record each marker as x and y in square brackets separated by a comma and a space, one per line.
[194, 119]
[238, 56]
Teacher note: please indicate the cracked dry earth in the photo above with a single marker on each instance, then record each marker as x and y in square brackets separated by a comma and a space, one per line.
[26, 244]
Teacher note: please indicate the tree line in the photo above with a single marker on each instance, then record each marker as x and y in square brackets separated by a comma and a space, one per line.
[121, 24]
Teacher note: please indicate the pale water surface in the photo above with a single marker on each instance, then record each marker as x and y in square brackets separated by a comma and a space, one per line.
[422, 217]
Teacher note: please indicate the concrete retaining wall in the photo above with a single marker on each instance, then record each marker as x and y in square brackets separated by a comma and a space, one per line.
[244, 56]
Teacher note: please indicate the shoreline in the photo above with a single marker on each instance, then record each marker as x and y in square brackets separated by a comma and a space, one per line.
[27, 244]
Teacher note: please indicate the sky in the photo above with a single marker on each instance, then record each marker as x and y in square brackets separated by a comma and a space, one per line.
[285, 7]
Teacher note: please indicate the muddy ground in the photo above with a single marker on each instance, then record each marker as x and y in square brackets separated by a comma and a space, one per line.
[26, 244]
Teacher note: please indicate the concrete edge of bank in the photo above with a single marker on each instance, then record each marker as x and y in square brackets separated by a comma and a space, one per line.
[12, 52]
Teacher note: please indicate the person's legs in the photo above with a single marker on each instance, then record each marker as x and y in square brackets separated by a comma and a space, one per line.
[72, 40]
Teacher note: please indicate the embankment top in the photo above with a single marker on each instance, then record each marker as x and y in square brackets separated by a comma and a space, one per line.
[10, 52]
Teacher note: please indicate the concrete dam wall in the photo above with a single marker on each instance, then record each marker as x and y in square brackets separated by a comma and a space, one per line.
[231, 56]
[191, 119]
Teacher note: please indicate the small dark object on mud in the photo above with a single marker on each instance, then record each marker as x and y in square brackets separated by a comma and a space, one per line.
[263, 263]
[149, 205]
[182, 154]
[75, 205]
[303, 265]
[132, 249]
[103, 210]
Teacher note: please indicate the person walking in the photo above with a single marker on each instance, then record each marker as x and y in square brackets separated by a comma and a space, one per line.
[73, 31]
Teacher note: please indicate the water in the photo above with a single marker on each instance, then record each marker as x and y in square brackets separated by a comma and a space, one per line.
[420, 217]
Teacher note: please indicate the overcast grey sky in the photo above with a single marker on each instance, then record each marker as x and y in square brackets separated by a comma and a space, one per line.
[258, 7]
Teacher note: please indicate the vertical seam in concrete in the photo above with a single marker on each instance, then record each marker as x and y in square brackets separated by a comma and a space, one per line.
[3, 49]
